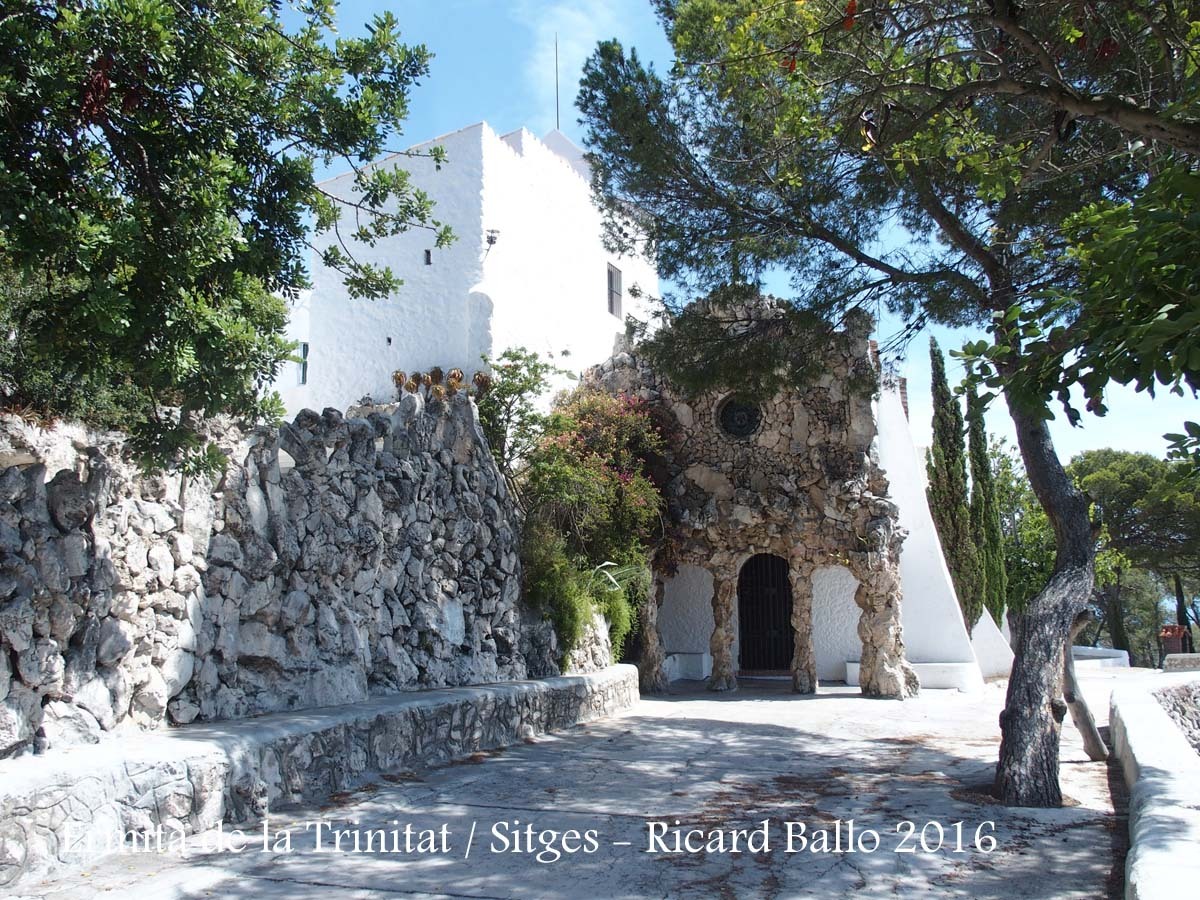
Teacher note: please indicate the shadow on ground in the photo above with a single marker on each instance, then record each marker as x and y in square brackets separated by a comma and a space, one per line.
[700, 762]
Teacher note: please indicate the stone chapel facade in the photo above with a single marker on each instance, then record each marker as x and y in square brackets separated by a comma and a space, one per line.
[765, 491]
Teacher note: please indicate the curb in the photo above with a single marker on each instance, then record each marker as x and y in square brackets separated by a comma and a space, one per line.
[1161, 770]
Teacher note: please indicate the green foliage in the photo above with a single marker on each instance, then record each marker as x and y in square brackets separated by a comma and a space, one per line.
[1148, 524]
[1133, 316]
[1186, 446]
[591, 513]
[1028, 536]
[886, 161]
[949, 502]
[985, 513]
[509, 411]
[591, 506]
[1132, 614]
[1029, 547]
[1150, 513]
[736, 338]
[156, 178]
[557, 581]
[43, 386]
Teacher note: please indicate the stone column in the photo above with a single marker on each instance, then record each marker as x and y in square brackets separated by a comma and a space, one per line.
[720, 645]
[884, 671]
[804, 661]
[651, 677]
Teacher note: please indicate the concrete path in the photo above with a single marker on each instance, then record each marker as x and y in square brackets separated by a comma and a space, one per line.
[715, 763]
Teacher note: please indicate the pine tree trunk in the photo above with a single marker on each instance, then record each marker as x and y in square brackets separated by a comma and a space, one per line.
[1027, 774]
[1013, 617]
[1116, 618]
[1156, 620]
[1181, 616]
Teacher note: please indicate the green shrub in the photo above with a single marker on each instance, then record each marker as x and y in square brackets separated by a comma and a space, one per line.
[509, 412]
[46, 385]
[554, 583]
[570, 593]
[591, 513]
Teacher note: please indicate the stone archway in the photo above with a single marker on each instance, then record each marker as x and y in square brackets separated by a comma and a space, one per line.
[766, 636]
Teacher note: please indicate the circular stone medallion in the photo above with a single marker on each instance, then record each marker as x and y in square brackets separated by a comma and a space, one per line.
[739, 418]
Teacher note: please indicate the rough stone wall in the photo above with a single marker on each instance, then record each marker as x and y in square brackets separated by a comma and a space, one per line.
[68, 811]
[1182, 704]
[804, 485]
[594, 651]
[335, 558]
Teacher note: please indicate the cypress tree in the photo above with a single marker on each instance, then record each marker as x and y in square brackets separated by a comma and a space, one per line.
[985, 512]
[946, 465]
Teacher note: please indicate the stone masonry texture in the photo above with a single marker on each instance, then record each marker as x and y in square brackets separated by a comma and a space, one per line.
[803, 484]
[333, 560]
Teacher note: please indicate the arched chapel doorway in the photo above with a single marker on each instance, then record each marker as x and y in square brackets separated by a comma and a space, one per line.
[766, 639]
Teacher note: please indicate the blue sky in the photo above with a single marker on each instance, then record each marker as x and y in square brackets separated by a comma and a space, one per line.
[494, 61]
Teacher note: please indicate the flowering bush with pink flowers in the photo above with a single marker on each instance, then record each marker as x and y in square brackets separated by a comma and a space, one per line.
[591, 513]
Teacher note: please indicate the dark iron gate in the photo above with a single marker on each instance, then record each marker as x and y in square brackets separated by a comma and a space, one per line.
[765, 636]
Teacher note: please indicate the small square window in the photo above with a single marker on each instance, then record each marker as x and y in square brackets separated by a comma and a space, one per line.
[429, 257]
[614, 291]
[304, 363]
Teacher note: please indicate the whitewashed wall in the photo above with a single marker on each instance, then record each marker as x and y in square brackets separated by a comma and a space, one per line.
[428, 319]
[991, 648]
[933, 626]
[686, 620]
[542, 285]
[835, 622]
[548, 270]
[298, 329]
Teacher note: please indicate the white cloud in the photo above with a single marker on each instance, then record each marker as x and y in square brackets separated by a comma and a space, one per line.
[579, 24]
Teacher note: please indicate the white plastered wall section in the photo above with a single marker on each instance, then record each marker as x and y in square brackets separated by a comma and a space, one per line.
[298, 330]
[543, 284]
[685, 623]
[686, 619]
[992, 651]
[429, 319]
[547, 273]
[935, 639]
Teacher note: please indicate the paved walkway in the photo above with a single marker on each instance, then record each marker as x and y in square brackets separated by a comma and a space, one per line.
[710, 762]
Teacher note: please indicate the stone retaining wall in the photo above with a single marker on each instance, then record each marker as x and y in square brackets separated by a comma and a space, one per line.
[1182, 704]
[64, 809]
[333, 560]
[1161, 770]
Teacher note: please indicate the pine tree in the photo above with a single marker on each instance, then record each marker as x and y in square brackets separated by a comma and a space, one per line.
[985, 512]
[946, 465]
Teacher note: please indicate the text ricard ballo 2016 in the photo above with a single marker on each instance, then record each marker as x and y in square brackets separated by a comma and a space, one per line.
[667, 837]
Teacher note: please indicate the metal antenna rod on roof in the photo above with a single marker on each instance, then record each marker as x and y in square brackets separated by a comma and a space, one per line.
[556, 122]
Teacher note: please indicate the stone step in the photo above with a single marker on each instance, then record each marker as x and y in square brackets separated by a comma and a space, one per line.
[67, 808]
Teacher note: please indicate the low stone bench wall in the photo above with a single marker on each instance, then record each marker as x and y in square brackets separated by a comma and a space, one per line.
[66, 808]
[1161, 770]
[1182, 662]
